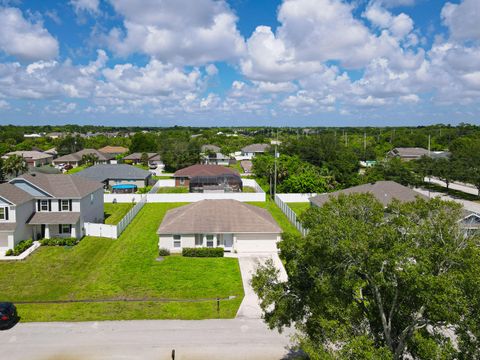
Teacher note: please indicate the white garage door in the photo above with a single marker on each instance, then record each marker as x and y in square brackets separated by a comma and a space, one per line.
[251, 243]
[4, 239]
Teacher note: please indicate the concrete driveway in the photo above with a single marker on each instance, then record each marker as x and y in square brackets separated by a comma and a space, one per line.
[250, 309]
[148, 339]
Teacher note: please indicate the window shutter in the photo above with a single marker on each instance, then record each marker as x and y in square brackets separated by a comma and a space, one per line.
[6, 213]
[38, 205]
[70, 204]
[49, 205]
[59, 205]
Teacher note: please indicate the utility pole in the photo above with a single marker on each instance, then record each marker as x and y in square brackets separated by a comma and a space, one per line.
[275, 180]
[429, 143]
[365, 146]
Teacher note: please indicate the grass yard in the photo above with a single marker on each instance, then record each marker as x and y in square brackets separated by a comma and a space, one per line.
[248, 189]
[75, 170]
[115, 212]
[299, 208]
[278, 215]
[172, 190]
[99, 268]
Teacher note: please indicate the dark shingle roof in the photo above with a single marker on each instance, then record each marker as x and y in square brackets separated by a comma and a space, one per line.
[218, 216]
[13, 194]
[384, 191]
[63, 186]
[256, 148]
[204, 170]
[104, 172]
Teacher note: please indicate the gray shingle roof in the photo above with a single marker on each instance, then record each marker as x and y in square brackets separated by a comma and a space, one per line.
[54, 218]
[384, 191]
[34, 155]
[213, 148]
[63, 186]
[13, 194]
[218, 216]
[77, 156]
[138, 156]
[256, 148]
[104, 172]
[204, 170]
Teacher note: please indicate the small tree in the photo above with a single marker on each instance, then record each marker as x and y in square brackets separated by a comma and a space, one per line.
[375, 283]
[144, 159]
[89, 159]
[15, 165]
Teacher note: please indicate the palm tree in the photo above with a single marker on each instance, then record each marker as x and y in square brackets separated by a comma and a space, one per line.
[15, 165]
[89, 159]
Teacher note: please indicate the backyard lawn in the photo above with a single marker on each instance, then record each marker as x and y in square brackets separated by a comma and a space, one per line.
[172, 190]
[115, 212]
[278, 215]
[75, 170]
[299, 208]
[115, 270]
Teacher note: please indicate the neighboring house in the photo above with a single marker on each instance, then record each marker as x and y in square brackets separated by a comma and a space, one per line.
[32, 136]
[113, 150]
[52, 151]
[250, 151]
[208, 178]
[55, 135]
[115, 175]
[415, 153]
[36, 206]
[230, 224]
[385, 192]
[32, 158]
[154, 159]
[211, 155]
[75, 159]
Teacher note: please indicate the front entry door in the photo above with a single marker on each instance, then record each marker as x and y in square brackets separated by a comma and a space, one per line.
[42, 231]
[228, 240]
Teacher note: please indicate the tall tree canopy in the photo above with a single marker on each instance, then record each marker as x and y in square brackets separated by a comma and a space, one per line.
[375, 283]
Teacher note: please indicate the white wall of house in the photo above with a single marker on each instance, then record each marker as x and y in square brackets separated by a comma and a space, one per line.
[91, 208]
[23, 231]
[167, 242]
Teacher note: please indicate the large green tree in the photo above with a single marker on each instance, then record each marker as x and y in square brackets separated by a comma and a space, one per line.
[15, 165]
[375, 283]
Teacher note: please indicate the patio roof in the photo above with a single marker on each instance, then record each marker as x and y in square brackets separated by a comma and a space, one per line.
[54, 218]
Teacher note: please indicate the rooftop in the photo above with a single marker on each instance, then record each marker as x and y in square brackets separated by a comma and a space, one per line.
[256, 148]
[113, 149]
[34, 155]
[204, 170]
[218, 216]
[77, 156]
[13, 194]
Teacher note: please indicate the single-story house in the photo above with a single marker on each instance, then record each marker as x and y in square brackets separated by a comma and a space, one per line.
[36, 206]
[75, 159]
[208, 178]
[250, 151]
[230, 224]
[415, 153]
[113, 150]
[154, 159]
[211, 155]
[32, 158]
[117, 176]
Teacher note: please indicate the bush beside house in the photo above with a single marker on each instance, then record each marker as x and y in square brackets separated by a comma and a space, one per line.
[203, 252]
[19, 248]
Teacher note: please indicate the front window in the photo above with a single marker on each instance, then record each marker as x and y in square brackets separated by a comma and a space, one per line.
[209, 240]
[44, 205]
[182, 181]
[65, 205]
[2, 214]
[65, 229]
[177, 241]
[198, 240]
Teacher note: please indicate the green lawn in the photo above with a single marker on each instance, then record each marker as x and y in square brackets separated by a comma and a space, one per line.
[172, 190]
[76, 170]
[115, 212]
[299, 208]
[248, 189]
[278, 215]
[99, 268]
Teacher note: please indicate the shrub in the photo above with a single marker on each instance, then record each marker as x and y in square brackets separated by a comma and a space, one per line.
[19, 248]
[59, 242]
[202, 252]
[163, 252]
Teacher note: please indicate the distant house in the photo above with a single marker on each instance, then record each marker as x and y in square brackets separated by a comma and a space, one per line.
[415, 153]
[230, 224]
[32, 136]
[56, 135]
[208, 178]
[117, 177]
[113, 150]
[75, 159]
[32, 158]
[154, 159]
[36, 206]
[211, 155]
[250, 151]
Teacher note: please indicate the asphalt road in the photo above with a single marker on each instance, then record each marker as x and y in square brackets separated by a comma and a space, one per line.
[148, 339]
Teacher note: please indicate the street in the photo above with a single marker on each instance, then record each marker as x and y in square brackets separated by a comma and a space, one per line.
[147, 339]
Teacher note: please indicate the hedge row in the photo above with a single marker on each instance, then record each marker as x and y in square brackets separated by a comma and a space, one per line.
[19, 248]
[203, 252]
[59, 242]
[163, 252]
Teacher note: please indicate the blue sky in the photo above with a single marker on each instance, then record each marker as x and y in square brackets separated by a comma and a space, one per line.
[239, 62]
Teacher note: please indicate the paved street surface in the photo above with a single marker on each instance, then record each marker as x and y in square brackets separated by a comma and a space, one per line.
[466, 188]
[468, 205]
[148, 339]
[249, 309]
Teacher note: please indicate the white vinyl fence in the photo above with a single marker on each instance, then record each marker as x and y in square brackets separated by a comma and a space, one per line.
[282, 199]
[114, 231]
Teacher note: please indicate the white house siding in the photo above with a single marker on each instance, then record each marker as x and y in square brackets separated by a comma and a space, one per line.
[4, 240]
[256, 242]
[166, 242]
[23, 231]
[92, 210]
